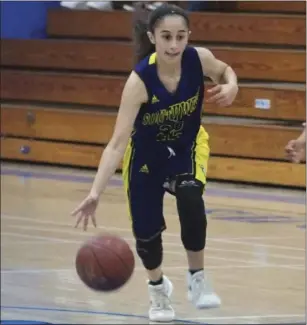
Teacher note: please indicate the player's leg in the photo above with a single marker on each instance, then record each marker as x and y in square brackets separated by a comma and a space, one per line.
[145, 200]
[189, 187]
[190, 202]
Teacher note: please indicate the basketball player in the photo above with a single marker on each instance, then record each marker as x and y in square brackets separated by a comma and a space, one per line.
[158, 132]
[296, 149]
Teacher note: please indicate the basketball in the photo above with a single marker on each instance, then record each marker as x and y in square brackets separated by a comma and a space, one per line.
[105, 262]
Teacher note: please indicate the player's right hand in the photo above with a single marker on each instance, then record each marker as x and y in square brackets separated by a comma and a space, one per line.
[86, 210]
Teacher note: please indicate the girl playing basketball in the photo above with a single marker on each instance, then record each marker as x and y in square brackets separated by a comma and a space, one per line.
[159, 134]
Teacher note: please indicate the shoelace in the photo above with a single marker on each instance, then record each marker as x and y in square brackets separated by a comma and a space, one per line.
[159, 299]
[200, 285]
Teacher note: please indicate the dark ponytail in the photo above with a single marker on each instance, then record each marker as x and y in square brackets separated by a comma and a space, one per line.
[142, 44]
[144, 21]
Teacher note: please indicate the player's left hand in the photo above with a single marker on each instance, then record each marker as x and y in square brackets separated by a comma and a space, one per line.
[295, 150]
[223, 95]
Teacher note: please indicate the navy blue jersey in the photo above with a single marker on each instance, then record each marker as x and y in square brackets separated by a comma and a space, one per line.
[172, 119]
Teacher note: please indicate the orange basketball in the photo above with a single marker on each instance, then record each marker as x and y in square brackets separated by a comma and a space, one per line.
[105, 262]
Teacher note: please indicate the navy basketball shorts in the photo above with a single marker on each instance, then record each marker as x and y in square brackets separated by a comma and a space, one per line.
[144, 177]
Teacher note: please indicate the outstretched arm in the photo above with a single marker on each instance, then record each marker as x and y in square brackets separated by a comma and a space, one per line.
[134, 94]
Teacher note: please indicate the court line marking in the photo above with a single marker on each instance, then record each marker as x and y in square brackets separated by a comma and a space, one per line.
[251, 317]
[80, 311]
[130, 238]
[251, 263]
[194, 320]
[167, 233]
[251, 208]
[219, 240]
[139, 268]
[231, 241]
[7, 243]
[71, 273]
[214, 192]
[49, 239]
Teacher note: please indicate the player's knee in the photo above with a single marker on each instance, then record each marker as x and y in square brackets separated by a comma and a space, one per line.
[189, 195]
[150, 252]
[191, 210]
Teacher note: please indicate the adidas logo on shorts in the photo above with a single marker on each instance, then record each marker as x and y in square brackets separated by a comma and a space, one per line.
[144, 169]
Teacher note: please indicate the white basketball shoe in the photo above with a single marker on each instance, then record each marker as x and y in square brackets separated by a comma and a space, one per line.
[200, 292]
[161, 309]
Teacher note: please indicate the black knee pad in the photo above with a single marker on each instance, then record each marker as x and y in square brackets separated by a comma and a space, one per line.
[191, 210]
[150, 252]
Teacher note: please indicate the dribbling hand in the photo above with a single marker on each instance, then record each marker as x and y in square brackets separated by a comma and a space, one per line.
[223, 95]
[86, 210]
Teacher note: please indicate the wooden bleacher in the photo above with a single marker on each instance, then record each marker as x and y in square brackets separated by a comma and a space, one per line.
[213, 27]
[272, 6]
[85, 56]
[59, 96]
[287, 102]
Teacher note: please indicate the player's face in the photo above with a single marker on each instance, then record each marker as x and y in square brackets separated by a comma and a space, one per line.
[171, 37]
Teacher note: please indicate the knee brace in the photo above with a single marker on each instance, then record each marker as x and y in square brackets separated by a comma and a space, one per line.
[191, 210]
[150, 252]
